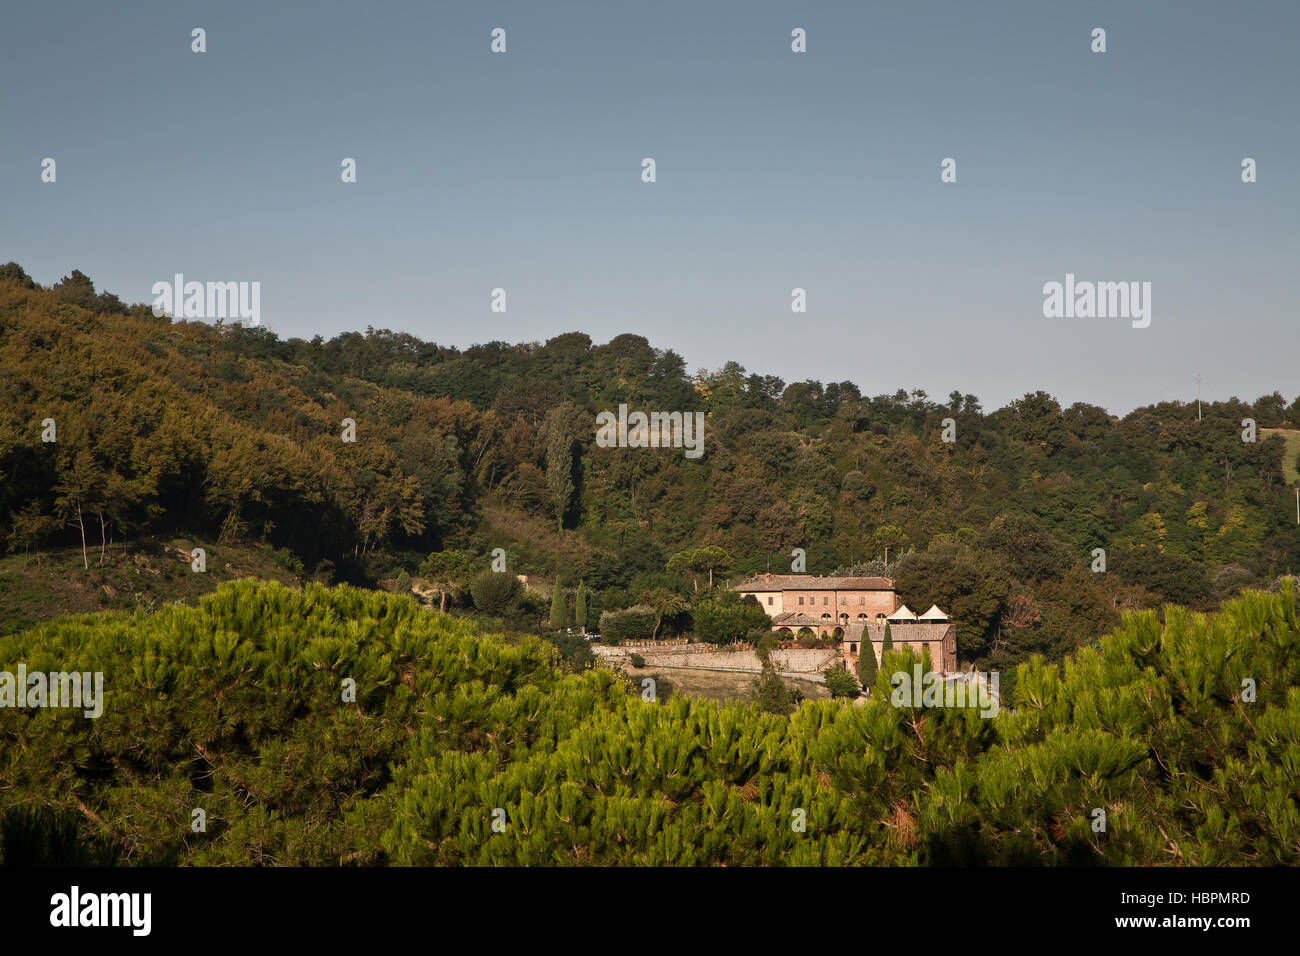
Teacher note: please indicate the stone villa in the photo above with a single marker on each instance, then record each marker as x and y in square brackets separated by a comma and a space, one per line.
[853, 611]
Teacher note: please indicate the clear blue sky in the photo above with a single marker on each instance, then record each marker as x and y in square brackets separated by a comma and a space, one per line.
[775, 170]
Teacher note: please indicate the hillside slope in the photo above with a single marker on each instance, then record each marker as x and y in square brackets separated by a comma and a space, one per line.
[181, 430]
[148, 573]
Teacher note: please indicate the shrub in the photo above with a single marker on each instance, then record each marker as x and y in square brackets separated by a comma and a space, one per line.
[727, 618]
[532, 606]
[664, 688]
[574, 650]
[496, 592]
[633, 623]
[771, 694]
[840, 682]
[637, 660]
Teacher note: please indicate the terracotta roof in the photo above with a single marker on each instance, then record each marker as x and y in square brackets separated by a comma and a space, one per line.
[796, 619]
[912, 631]
[859, 631]
[813, 582]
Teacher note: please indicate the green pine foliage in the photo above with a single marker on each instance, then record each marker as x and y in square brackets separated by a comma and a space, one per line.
[496, 592]
[235, 706]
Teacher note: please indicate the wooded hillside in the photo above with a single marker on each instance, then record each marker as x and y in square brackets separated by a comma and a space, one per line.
[169, 428]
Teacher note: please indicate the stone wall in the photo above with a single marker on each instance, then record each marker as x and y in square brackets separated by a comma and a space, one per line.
[799, 661]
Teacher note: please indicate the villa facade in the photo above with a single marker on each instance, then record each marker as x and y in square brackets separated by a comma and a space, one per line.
[853, 611]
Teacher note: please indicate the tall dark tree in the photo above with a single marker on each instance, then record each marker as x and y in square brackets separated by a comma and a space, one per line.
[866, 662]
[580, 607]
[559, 610]
[562, 429]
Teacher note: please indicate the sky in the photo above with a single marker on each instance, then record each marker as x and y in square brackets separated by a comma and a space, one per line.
[775, 170]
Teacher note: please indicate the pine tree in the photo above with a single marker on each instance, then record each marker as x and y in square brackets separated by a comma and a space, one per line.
[840, 682]
[580, 607]
[771, 694]
[559, 611]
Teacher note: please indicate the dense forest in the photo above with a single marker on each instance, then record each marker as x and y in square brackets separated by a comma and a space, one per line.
[166, 428]
[1174, 741]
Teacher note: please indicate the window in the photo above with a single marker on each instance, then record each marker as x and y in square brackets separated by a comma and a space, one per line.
[800, 600]
[769, 599]
[853, 648]
[862, 599]
[826, 600]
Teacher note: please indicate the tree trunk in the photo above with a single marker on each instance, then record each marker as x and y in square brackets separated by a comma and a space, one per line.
[103, 543]
[82, 525]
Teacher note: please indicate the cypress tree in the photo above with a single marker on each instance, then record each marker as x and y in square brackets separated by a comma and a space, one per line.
[559, 611]
[867, 662]
[887, 645]
[580, 607]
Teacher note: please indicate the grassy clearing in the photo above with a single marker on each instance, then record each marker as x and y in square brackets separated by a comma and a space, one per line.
[1292, 438]
[37, 587]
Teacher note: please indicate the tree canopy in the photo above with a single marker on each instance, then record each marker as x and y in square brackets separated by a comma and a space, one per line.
[1184, 728]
